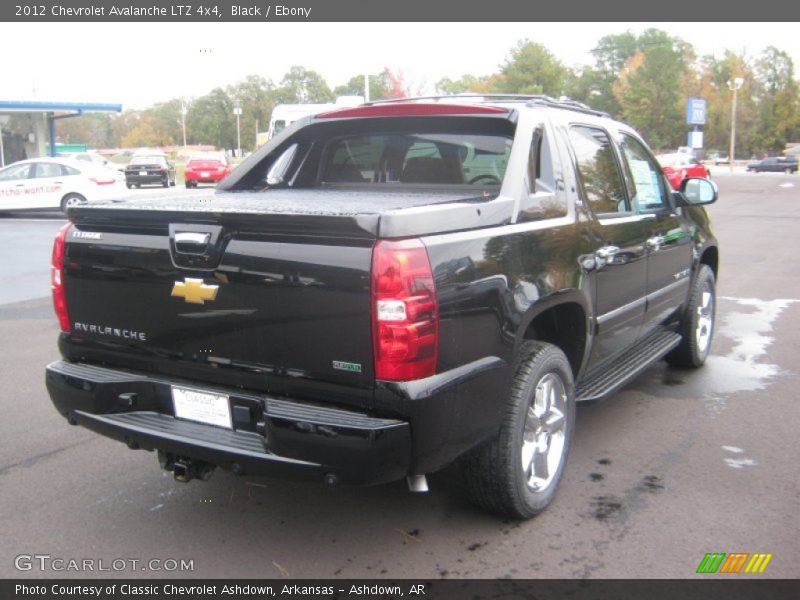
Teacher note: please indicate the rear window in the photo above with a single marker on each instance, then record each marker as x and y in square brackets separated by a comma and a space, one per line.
[421, 158]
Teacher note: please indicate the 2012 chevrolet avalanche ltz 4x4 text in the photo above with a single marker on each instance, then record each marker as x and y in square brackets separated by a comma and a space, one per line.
[384, 290]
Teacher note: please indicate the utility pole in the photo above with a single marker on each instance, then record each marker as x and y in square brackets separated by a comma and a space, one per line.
[183, 122]
[3, 120]
[237, 110]
[366, 87]
[734, 87]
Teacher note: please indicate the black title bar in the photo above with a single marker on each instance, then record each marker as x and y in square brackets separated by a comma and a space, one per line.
[191, 11]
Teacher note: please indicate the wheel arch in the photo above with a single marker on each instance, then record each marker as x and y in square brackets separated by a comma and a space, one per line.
[561, 320]
[710, 257]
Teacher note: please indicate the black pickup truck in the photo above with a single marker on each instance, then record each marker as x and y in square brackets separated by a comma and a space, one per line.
[384, 290]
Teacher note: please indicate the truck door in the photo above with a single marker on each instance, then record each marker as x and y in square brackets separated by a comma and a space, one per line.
[619, 266]
[668, 243]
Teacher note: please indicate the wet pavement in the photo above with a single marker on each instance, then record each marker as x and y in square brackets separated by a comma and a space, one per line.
[678, 464]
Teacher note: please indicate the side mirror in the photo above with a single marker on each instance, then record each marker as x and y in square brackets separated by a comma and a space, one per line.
[697, 191]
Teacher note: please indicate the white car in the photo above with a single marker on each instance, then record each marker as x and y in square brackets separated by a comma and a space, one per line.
[56, 183]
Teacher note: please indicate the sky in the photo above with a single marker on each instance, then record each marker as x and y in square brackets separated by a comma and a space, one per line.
[138, 64]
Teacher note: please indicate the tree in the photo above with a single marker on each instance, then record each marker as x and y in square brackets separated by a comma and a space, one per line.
[93, 129]
[531, 69]
[464, 84]
[378, 86]
[257, 97]
[712, 85]
[779, 104]
[650, 88]
[210, 120]
[301, 85]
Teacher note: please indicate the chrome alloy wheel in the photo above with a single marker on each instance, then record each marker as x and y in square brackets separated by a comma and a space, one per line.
[705, 319]
[544, 434]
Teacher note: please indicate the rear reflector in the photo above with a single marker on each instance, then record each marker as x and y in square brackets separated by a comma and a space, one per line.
[411, 109]
[405, 319]
[57, 279]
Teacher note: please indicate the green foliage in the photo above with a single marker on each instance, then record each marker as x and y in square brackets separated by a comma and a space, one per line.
[378, 86]
[531, 69]
[643, 79]
[301, 85]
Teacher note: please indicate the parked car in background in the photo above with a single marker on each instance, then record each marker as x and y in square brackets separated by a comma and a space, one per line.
[146, 170]
[718, 157]
[774, 163]
[206, 167]
[680, 166]
[55, 183]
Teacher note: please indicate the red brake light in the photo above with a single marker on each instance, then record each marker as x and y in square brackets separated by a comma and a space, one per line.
[57, 279]
[411, 109]
[405, 315]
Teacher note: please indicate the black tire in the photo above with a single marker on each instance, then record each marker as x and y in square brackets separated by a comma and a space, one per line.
[71, 200]
[129, 185]
[694, 347]
[493, 473]
[165, 183]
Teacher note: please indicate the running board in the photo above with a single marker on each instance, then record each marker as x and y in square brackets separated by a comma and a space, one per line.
[610, 376]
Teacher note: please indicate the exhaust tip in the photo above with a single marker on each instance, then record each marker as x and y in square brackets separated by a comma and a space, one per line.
[417, 483]
[182, 472]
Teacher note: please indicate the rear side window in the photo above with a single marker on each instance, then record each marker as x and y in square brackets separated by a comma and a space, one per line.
[47, 170]
[423, 158]
[599, 173]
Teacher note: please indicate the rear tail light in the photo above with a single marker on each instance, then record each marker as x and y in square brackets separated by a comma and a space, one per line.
[405, 316]
[57, 279]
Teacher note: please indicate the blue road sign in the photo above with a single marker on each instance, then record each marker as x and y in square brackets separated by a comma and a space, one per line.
[695, 111]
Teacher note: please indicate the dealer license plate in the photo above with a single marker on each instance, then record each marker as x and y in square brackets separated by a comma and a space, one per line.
[203, 407]
[143, 173]
[204, 174]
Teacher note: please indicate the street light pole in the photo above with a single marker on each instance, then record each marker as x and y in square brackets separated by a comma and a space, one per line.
[3, 120]
[183, 122]
[237, 110]
[734, 87]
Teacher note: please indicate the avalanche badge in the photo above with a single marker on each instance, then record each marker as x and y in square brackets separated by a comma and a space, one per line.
[194, 291]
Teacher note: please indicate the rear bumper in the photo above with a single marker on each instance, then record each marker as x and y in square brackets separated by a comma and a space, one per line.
[271, 436]
[197, 176]
[145, 179]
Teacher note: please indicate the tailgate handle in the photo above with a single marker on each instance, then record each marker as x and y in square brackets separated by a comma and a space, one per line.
[190, 242]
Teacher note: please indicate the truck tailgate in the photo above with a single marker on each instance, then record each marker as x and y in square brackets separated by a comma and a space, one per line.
[276, 303]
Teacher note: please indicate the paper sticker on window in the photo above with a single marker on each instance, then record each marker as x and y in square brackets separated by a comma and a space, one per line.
[647, 189]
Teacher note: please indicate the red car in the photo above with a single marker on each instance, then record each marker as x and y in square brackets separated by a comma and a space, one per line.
[678, 167]
[209, 167]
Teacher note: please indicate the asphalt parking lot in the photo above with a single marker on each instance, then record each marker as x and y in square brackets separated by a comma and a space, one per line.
[678, 464]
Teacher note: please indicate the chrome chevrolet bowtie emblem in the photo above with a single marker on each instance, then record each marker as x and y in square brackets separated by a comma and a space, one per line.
[194, 291]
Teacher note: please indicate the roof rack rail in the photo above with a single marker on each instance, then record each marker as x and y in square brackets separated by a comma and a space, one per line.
[528, 99]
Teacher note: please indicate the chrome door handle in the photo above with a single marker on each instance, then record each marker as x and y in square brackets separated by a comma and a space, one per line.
[654, 243]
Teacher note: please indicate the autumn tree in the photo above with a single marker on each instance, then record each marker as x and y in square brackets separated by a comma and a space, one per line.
[779, 106]
[650, 90]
